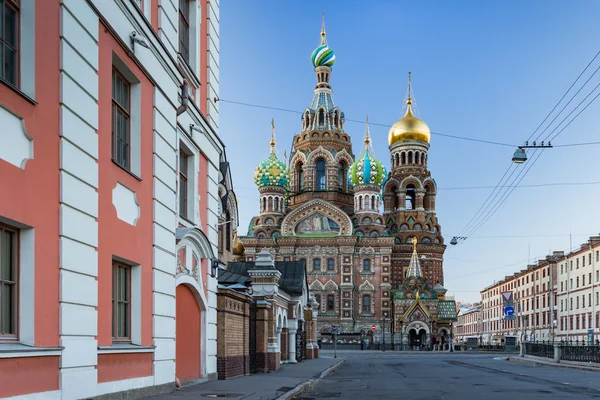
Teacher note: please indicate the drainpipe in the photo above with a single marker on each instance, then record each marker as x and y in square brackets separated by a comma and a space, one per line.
[185, 98]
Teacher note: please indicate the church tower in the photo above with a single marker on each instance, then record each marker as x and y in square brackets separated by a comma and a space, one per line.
[271, 176]
[322, 151]
[409, 197]
[367, 175]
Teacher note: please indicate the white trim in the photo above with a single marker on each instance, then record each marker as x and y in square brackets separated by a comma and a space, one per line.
[21, 354]
[53, 395]
[125, 350]
[125, 384]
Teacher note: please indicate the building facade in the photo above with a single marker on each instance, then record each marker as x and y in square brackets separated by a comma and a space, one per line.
[578, 293]
[348, 220]
[469, 323]
[110, 166]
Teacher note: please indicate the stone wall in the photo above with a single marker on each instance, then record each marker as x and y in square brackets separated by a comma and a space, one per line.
[233, 319]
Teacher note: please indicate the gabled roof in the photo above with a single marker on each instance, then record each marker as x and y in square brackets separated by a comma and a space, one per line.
[230, 278]
[447, 310]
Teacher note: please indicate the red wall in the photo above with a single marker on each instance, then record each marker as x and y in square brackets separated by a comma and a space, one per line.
[187, 343]
[24, 375]
[116, 367]
[116, 237]
[31, 196]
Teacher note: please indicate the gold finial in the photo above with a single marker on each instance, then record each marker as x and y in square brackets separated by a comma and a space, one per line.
[367, 135]
[414, 241]
[272, 136]
[409, 100]
[323, 34]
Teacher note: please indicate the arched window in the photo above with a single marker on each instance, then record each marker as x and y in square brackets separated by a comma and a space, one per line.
[316, 264]
[330, 264]
[321, 117]
[276, 204]
[264, 204]
[228, 231]
[321, 182]
[366, 264]
[410, 157]
[299, 177]
[366, 305]
[342, 171]
[360, 203]
[336, 119]
[372, 202]
[428, 199]
[403, 158]
[410, 196]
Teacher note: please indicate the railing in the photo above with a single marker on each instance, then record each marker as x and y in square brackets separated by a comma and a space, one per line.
[540, 349]
[581, 351]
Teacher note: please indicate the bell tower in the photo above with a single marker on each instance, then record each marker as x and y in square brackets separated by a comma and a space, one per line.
[322, 151]
[409, 197]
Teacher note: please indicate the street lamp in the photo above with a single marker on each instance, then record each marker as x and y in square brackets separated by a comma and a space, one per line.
[383, 331]
[520, 156]
[451, 340]
[554, 324]
[335, 331]
[430, 322]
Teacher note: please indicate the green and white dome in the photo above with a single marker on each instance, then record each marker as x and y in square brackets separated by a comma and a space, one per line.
[367, 170]
[323, 56]
[271, 172]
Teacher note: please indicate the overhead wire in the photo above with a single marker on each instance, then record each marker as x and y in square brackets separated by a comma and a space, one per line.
[479, 217]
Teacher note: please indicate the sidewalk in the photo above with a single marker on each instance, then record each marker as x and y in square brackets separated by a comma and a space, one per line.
[263, 386]
[562, 364]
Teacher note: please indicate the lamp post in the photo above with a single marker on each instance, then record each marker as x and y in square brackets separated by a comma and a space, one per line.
[520, 156]
[383, 331]
[335, 330]
[553, 334]
[429, 321]
[451, 340]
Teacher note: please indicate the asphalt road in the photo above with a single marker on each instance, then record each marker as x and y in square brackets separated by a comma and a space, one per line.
[392, 375]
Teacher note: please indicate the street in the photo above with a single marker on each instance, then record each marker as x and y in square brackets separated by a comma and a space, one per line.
[392, 375]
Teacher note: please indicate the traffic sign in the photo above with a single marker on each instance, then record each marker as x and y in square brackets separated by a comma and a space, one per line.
[509, 310]
[373, 328]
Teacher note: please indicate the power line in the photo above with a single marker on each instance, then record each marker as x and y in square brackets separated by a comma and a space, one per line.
[480, 218]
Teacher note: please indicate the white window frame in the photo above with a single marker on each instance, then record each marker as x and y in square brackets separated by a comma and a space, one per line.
[136, 299]
[193, 211]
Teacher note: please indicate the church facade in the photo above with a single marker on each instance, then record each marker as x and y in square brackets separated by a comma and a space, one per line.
[370, 239]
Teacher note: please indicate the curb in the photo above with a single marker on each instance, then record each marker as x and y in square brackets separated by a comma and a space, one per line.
[552, 364]
[310, 383]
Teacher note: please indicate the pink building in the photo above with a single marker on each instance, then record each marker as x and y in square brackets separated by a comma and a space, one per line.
[110, 169]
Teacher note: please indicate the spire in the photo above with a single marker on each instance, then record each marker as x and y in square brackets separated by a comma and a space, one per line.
[285, 157]
[409, 99]
[414, 268]
[272, 136]
[367, 134]
[323, 34]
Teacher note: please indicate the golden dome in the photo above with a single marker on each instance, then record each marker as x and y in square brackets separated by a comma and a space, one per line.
[409, 127]
[238, 247]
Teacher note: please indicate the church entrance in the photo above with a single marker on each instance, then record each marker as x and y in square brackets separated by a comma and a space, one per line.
[416, 340]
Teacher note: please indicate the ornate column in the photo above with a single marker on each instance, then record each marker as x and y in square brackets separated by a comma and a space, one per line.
[420, 194]
[401, 200]
[292, 329]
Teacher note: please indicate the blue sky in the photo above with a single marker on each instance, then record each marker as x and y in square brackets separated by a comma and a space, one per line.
[488, 70]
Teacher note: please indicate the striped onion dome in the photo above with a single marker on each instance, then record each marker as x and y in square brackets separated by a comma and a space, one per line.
[367, 170]
[323, 56]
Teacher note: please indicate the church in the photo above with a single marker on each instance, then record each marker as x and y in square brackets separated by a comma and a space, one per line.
[370, 239]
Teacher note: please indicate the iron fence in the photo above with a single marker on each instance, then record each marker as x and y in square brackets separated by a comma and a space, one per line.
[581, 351]
[540, 349]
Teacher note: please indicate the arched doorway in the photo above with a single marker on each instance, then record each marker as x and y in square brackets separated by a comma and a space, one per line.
[414, 339]
[188, 319]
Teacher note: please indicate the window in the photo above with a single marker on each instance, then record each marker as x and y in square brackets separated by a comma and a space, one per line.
[571, 303]
[597, 276]
[299, 177]
[183, 184]
[342, 172]
[330, 264]
[577, 298]
[590, 278]
[330, 302]
[597, 299]
[582, 301]
[367, 264]
[590, 258]
[561, 286]
[184, 29]
[8, 283]
[589, 299]
[583, 280]
[366, 303]
[316, 264]
[121, 302]
[577, 263]
[410, 196]
[577, 281]
[9, 33]
[121, 116]
[321, 181]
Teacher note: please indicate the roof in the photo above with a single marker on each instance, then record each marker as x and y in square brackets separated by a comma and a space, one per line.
[447, 310]
[292, 274]
[230, 278]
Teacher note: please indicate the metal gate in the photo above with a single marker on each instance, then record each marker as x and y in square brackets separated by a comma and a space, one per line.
[300, 342]
[252, 334]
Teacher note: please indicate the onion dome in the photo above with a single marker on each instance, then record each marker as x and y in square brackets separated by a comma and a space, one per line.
[323, 56]
[272, 171]
[409, 127]
[367, 170]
